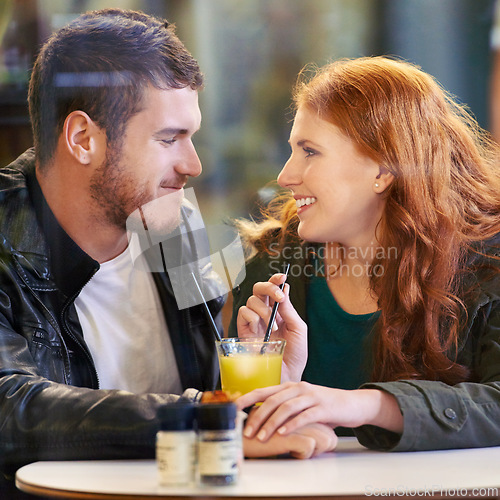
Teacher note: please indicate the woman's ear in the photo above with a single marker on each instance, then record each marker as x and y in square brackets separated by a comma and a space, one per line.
[81, 136]
[383, 180]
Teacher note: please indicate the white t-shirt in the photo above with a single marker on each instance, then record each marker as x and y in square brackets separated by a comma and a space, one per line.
[125, 329]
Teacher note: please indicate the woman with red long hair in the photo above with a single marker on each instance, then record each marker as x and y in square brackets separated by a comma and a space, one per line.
[391, 221]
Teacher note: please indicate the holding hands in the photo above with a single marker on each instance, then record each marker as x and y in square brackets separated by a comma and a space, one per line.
[306, 442]
[288, 407]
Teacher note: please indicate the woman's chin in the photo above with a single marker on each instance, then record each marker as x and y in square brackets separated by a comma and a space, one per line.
[307, 234]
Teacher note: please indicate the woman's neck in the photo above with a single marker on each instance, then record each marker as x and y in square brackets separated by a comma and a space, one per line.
[348, 275]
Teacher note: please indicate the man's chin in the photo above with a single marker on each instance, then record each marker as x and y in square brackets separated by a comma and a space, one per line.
[158, 218]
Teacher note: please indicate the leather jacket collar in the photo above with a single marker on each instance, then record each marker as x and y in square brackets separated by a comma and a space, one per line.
[67, 265]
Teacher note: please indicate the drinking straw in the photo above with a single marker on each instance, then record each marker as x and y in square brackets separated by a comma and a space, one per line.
[210, 318]
[275, 308]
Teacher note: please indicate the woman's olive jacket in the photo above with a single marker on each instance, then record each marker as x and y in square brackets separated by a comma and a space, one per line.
[436, 415]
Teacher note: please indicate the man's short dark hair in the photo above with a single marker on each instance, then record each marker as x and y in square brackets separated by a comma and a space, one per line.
[101, 64]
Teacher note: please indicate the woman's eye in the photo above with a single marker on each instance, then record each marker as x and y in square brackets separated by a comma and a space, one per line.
[309, 151]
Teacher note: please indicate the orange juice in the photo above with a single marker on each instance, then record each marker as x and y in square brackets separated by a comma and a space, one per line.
[244, 372]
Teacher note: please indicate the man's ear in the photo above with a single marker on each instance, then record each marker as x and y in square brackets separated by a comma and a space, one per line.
[383, 180]
[82, 137]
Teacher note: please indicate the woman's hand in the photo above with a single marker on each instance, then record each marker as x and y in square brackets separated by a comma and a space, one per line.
[306, 442]
[290, 406]
[253, 319]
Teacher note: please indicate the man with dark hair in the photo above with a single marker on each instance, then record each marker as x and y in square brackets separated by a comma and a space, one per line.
[85, 360]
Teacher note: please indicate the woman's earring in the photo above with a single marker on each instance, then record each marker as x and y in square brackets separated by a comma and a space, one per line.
[377, 185]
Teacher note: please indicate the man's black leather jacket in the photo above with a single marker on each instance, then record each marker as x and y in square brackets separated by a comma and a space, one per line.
[51, 406]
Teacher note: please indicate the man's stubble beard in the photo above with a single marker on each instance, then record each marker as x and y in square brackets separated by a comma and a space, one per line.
[125, 204]
[115, 193]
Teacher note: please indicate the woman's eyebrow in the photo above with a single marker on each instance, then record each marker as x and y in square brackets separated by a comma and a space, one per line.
[302, 142]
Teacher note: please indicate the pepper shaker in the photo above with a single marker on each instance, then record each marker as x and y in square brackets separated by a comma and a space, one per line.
[218, 444]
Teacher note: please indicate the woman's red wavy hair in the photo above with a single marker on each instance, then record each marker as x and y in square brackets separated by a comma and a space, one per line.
[444, 198]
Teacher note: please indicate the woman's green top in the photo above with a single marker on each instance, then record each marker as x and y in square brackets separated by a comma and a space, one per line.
[339, 343]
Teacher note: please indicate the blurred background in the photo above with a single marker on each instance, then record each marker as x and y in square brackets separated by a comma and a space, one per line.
[251, 52]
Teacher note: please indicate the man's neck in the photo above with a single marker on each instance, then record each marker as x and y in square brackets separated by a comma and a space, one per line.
[68, 200]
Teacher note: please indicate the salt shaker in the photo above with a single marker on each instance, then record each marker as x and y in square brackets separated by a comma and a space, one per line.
[218, 444]
[176, 444]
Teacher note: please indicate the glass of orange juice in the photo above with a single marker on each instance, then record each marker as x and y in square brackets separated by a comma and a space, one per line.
[249, 363]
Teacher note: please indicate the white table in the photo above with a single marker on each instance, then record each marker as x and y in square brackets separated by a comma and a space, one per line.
[351, 471]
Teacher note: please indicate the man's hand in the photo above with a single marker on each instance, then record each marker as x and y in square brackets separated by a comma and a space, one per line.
[306, 442]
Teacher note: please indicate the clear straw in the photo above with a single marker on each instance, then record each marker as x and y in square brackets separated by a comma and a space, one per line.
[210, 318]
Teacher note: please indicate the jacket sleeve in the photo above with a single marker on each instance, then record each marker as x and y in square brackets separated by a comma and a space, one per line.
[45, 420]
[439, 416]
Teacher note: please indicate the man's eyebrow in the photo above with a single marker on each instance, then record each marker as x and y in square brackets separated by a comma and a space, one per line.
[172, 131]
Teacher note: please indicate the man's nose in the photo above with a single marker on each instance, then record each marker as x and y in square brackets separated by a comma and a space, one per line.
[191, 163]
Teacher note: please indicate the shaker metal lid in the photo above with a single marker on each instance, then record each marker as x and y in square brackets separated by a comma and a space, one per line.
[179, 416]
[217, 416]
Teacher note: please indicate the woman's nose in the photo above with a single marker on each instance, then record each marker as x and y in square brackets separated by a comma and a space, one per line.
[289, 175]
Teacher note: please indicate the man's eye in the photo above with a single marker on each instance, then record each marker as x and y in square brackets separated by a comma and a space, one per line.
[309, 151]
[168, 142]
